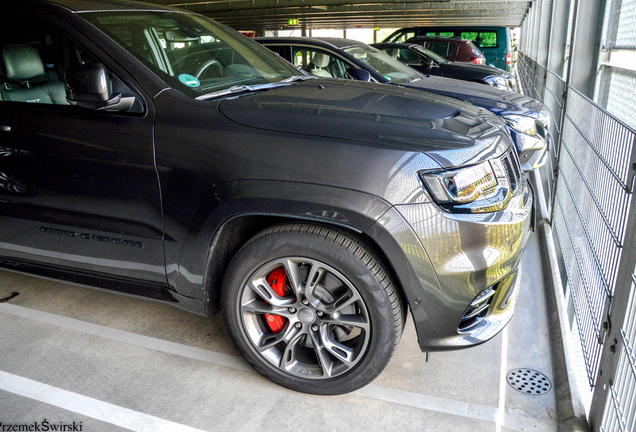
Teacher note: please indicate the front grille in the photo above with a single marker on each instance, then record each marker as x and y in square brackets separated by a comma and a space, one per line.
[478, 309]
[512, 167]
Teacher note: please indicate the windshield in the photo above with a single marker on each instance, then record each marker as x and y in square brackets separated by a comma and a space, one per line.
[192, 53]
[384, 64]
[430, 54]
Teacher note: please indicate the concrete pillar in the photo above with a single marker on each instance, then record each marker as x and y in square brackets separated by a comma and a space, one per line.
[531, 43]
[544, 33]
[523, 37]
[588, 29]
[559, 33]
[528, 37]
[537, 29]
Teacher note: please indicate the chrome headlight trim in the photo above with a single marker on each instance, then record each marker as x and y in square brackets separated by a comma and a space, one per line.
[501, 82]
[521, 123]
[545, 117]
[481, 188]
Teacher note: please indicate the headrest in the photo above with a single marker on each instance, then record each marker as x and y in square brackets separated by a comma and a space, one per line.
[22, 63]
[320, 60]
[395, 52]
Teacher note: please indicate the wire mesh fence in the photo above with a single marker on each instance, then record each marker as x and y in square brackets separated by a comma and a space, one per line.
[549, 88]
[620, 414]
[591, 186]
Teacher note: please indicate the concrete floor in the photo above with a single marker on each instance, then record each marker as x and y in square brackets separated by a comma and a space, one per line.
[72, 354]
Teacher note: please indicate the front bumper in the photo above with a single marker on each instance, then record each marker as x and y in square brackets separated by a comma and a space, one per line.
[445, 261]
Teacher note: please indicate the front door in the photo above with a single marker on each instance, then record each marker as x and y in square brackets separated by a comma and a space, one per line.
[78, 188]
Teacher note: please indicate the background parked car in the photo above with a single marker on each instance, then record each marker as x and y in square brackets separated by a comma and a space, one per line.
[494, 42]
[452, 49]
[526, 118]
[429, 63]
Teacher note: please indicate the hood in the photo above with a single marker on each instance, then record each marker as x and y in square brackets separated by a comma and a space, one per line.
[493, 99]
[484, 69]
[376, 114]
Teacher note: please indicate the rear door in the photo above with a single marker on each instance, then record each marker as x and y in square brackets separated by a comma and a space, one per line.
[78, 188]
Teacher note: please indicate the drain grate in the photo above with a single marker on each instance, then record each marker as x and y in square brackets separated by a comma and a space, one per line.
[529, 381]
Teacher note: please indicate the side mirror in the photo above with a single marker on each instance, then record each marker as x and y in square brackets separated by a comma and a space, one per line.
[87, 87]
[359, 74]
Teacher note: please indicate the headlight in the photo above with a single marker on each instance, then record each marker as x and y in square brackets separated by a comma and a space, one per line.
[523, 124]
[545, 117]
[502, 82]
[474, 189]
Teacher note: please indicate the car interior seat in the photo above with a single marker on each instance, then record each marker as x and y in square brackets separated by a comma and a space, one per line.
[26, 80]
[319, 62]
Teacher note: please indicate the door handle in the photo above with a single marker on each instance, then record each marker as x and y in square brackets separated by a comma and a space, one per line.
[5, 128]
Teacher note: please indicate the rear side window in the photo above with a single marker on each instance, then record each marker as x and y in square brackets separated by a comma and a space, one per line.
[441, 48]
[402, 37]
[483, 39]
[442, 34]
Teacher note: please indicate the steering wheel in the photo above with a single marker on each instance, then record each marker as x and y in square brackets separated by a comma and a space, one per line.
[210, 63]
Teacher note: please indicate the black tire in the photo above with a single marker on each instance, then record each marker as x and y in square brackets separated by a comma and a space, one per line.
[366, 291]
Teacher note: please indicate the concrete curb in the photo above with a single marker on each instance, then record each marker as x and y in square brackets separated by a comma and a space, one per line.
[570, 411]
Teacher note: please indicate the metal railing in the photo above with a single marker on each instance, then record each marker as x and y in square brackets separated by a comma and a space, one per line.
[590, 183]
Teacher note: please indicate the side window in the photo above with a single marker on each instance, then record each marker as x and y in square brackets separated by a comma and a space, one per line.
[31, 65]
[442, 34]
[452, 47]
[404, 55]
[484, 39]
[403, 37]
[34, 58]
[281, 50]
[320, 63]
[441, 48]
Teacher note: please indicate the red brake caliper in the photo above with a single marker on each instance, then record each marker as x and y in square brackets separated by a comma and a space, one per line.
[277, 279]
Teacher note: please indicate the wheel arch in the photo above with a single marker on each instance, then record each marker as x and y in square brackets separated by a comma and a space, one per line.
[226, 244]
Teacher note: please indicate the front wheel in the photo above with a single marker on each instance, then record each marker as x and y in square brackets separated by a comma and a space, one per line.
[312, 308]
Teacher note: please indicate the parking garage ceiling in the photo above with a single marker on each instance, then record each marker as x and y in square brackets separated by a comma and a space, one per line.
[337, 14]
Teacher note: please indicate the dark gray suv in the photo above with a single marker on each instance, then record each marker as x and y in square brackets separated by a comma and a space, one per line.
[156, 153]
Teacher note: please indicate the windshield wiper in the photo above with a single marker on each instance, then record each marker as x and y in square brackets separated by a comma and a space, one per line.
[234, 90]
[298, 78]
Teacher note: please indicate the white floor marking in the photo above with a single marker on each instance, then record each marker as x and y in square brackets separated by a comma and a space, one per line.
[371, 391]
[167, 347]
[103, 411]
[503, 384]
